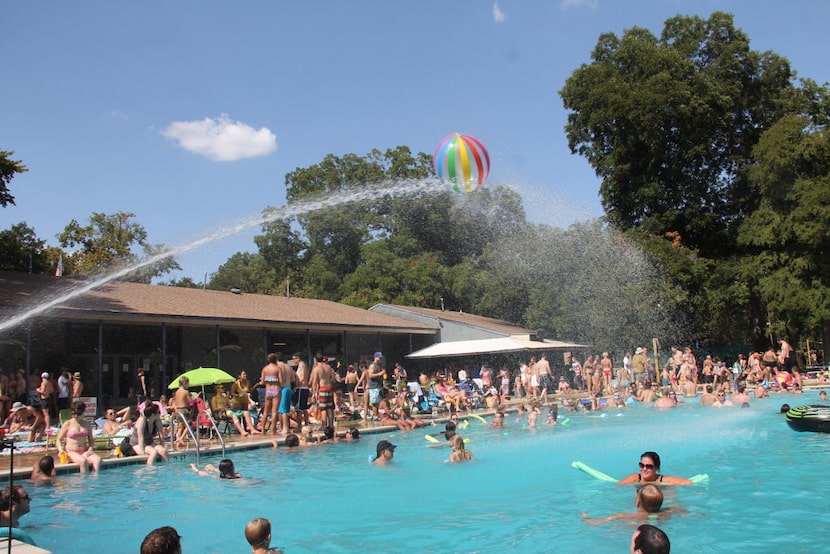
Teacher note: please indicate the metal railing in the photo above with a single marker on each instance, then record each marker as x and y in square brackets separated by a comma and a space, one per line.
[194, 435]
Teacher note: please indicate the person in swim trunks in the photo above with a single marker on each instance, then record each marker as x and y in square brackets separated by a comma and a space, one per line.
[372, 380]
[650, 473]
[287, 380]
[322, 382]
[302, 391]
[182, 401]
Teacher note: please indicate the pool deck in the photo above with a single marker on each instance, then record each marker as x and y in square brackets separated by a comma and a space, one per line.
[211, 447]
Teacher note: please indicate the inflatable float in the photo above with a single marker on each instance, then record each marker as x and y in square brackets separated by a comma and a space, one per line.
[596, 474]
[812, 418]
[17, 534]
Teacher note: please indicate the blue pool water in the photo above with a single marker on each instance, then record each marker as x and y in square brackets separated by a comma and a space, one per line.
[765, 493]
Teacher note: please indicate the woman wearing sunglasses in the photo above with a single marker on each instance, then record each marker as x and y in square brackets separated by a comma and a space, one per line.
[650, 473]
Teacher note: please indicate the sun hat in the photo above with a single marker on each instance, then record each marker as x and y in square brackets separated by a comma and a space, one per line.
[17, 406]
[77, 375]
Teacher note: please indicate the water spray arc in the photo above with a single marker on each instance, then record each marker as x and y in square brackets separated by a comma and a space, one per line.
[374, 191]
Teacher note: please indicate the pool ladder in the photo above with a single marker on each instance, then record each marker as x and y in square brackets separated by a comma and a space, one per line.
[195, 435]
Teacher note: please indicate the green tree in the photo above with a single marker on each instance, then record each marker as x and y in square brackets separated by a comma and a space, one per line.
[250, 273]
[669, 124]
[8, 169]
[21, 250]
[334, 236]
[109, 242]
[789, 234]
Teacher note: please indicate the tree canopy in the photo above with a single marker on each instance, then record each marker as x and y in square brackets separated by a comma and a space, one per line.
[108, 243]
[669, 124]
[8, 169]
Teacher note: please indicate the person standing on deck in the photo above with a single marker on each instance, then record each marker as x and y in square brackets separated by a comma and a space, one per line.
[322, 382]
[301, 391]
[45, 391]
[287, 382]
[638, 364]
[141, 389]
[64, 390]
[77, 386]
[270, 377]
[545, 379]
[372, 380]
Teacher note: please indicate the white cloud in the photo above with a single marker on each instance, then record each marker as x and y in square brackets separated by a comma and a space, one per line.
[116, 114]
[498, 15]
[222, 139]
[567, 4]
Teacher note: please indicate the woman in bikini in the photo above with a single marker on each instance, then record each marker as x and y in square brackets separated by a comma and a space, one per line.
[77, 433]
[459, 452]
[270, 377]
[388, 417]
[650, 473]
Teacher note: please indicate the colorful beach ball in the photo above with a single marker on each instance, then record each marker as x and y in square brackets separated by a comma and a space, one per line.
[462, 162]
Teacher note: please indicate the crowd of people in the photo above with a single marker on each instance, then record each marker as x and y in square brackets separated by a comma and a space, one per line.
[289, 397]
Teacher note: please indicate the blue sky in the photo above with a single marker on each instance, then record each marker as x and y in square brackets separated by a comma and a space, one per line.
[190, 113]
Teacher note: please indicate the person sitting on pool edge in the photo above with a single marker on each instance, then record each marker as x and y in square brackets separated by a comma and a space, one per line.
[649, 502]
[258, 535]
[650, 473]
[225, 470]
[648, 539]
[385, 451]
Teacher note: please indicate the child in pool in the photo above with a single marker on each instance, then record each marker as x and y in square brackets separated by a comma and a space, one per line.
[258, 535]
[649, 502]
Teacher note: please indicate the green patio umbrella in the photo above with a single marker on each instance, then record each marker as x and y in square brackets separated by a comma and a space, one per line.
[203, 376]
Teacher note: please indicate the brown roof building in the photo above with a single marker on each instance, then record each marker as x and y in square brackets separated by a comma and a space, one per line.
[107, 330]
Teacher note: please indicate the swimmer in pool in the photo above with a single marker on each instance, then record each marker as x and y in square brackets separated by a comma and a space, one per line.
[498, 420]
[225, 470]
[459, 452]
[650, 539]
[385, 453]
[649, 503]
[650, 473]
[258, 535]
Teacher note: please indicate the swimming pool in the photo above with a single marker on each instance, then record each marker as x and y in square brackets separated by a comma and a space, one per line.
[520, 494]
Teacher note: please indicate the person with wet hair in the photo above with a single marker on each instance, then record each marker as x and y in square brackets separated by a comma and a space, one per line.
[164, 540]
[43, 471]
[258, 535]
[649, 503]
[225, 470]
[648, 539]
[459, 451]
[650, 473]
